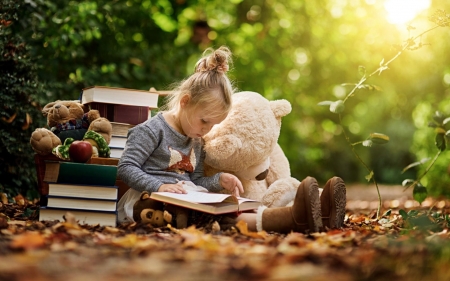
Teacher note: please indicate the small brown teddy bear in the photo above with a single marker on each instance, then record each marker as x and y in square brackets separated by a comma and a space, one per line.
[67, 119]
[147, 210]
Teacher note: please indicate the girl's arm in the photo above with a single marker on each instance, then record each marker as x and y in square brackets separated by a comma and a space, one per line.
[140, 145]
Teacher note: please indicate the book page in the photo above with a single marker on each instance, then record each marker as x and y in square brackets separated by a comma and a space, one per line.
[200, 197]
[205, 197]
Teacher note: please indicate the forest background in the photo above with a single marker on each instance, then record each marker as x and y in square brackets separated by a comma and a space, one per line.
[301, 51]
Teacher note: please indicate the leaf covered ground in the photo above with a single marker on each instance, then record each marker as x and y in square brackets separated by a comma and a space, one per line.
[402, 244]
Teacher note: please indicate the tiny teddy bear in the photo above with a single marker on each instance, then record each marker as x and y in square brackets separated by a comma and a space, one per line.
[67, 119]
[246, 145]
[158, 214]
[147, 210]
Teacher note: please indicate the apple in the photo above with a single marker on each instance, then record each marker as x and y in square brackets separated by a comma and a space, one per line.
[80, 151]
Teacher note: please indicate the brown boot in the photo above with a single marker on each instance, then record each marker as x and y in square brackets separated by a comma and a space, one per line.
[303, 216]
[332, 201]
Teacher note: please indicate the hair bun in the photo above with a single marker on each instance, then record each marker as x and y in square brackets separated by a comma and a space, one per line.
[214, 60]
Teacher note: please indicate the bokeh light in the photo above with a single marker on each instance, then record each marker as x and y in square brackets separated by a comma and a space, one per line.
[403, 11]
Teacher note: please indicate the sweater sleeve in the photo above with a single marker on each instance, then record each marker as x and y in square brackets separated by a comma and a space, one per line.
[140, 145]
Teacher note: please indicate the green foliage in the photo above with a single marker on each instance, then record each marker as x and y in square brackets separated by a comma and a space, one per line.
[420, 193]
[295, 50]
[424, 221]
[435, 174]
[441, 19]
[116, 43]
[18, 87]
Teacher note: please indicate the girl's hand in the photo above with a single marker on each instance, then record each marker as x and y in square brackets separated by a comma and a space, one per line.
[174, 188]
[231, 183]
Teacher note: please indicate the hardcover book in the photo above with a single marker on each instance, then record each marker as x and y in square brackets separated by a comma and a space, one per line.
[80, 173]
[120, 129]
[116, 152]
[82, 203]
[41, 161]
[212, 203]
[82, 216]
[119, 96]
[85, 191]
[128, 114]
[118, 141]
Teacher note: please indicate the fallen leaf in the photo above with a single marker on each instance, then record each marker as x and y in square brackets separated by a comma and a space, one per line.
[243, 229]
[28, 241]
[4, 198]
[20, 200]
[127, 241]
[17, 222]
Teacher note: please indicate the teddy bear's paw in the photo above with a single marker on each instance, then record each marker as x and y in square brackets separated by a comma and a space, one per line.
[281, 193]
[167, 217]
[43, 141]
[103, 127]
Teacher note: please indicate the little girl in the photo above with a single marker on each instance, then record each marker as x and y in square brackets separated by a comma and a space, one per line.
[167, 150]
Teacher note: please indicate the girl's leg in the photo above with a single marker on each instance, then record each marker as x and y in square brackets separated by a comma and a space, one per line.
[303, 216]
[250, 219]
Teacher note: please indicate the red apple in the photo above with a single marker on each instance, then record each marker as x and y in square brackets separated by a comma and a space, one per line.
[80, 151]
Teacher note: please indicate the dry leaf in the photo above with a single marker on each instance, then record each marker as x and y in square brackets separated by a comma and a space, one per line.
[70, 218]
[215, 226]
[111, 230]
[20, 200]
[28, 241]
[127, 241]
[243, 228]
[28, 121]
[10, 119]
[4, 198]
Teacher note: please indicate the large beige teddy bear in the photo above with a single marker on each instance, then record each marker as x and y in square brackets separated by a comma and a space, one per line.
[246, 144]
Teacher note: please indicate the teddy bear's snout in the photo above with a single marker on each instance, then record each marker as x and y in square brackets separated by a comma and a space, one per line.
[262, 176]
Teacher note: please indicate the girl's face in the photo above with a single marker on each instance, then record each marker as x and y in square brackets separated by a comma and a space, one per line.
[198, 121]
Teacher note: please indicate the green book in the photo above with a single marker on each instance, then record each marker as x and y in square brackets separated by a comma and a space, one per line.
[80, 173]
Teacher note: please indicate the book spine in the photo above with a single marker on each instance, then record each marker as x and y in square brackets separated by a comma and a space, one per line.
[106, 218]
[120, 129]
[128, 114]
[103, 192]
[81, 173]
[72, 198]
[116, 152]
[82, 203]
[78, 210]
[117, 141]
[40, 164]
[40, 172]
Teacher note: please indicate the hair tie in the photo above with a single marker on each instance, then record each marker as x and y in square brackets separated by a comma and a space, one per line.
[223, 68]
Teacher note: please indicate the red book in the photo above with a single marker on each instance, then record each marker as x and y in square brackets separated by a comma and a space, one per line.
[129, 114]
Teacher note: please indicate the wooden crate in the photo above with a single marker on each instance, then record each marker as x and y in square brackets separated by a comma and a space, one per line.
[39, 160]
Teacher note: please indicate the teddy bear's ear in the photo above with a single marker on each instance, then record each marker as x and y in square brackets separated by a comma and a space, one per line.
[223, 147]
[144, 195]
[280, 108]
[48, 107]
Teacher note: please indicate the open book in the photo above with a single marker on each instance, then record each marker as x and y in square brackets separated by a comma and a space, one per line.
[212, 203]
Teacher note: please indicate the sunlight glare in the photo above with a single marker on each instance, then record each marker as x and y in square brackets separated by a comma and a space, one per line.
[403, 11]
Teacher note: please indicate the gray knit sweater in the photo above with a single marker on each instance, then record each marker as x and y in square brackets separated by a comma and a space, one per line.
[156, 154]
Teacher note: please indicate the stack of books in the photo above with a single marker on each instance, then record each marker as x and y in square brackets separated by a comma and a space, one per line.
[124, 108]
[88, 191]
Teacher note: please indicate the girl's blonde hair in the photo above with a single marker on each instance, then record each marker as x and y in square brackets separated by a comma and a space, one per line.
[209, 85]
